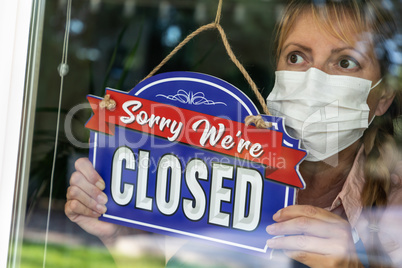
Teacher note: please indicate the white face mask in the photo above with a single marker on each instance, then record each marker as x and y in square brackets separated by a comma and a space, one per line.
[326, 112]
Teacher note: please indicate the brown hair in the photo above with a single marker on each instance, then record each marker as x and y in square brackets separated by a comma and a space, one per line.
[362, 17]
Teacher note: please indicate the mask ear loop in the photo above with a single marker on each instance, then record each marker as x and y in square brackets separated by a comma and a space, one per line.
[257, 120]
[376, 84]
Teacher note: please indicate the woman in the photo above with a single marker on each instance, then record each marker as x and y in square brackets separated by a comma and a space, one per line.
[332, 44]
[327, 50]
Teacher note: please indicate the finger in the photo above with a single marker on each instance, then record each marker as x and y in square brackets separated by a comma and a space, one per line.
[75, 193]
[295, 211]
[78, 180]
[316, 260]
[308, 226]
[73, 209]
[307, 243]
[85, 166]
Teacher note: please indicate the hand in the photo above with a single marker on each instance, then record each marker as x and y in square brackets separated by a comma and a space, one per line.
[86, 201]
[314, 237]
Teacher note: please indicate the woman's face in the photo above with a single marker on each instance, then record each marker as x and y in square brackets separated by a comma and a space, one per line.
[307, 45]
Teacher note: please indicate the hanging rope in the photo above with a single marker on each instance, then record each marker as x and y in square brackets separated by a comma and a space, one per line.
[257, 120]
[219, 12]
[216, 25]
[180, 46]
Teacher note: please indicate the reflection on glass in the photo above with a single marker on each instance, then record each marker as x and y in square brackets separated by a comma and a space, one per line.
[116, 44]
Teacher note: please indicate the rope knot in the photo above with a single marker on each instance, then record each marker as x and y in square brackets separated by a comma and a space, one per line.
[107, 103]
[257, 120]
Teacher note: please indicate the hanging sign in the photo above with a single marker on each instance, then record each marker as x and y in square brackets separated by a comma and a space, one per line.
[177, 159]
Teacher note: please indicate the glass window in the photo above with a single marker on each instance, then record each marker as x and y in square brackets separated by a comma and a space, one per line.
[116, 44]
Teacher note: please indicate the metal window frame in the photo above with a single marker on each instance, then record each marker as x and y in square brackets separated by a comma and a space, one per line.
[17, 53]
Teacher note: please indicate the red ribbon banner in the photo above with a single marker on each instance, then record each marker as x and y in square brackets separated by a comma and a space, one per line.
[224, 136]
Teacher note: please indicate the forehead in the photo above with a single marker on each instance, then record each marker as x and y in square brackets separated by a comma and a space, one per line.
[312, 27]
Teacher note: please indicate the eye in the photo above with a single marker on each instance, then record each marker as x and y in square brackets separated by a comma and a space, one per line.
[348, 64]
[294, 58]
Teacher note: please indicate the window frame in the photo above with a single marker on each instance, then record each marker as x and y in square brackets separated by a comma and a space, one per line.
[15, 23]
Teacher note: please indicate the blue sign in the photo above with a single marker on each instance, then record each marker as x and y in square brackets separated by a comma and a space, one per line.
[177, 159]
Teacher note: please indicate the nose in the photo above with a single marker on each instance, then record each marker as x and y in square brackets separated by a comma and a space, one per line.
[322, 66]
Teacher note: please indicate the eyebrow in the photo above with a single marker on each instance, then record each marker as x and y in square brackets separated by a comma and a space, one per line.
[338, 50]
[333, 51]
[297, 45]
